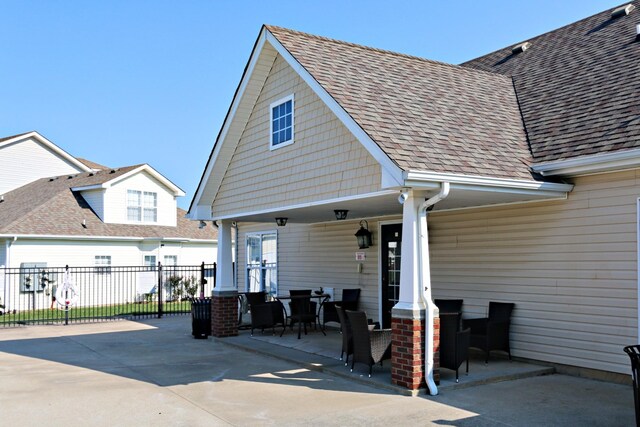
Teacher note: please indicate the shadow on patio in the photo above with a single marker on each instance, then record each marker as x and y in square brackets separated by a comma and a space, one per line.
[315, 351]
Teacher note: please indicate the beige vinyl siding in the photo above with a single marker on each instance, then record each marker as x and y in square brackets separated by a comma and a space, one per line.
[569, 266]
[95, 199]
[314, 255]
[324, 162]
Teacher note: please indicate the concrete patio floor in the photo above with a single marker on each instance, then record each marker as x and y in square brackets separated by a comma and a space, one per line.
[318, 352]
[153, 372]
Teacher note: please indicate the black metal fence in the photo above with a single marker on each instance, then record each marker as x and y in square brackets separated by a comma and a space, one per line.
[47, 295]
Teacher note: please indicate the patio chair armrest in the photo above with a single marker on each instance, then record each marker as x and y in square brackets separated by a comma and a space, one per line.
[477, 326]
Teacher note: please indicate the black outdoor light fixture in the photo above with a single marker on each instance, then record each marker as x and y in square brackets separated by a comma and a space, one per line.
[341, 214]
[364, 235]
[281, 221]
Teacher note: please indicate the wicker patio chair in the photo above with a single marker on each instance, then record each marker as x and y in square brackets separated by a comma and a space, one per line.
[492, 333]
[454, 343]
[449, 305]
[634, 354]
[302, 313]
[369, 346]
[347, 338]
[295, 294]
[349, 301]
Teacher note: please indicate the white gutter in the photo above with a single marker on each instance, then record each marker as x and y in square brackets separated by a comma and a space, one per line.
[595, 163]
[425, 275]
[113, 238]
[433, 180]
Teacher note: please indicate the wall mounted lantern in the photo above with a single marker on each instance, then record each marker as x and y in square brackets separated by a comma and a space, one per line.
[281, 221]
[341, 214]
[364, 235]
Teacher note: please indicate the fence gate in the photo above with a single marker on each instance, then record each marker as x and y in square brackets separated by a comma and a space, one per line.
[38, 294]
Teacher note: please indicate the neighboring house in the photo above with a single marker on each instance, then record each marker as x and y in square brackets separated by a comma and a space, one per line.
[93, 215]
[513, 177]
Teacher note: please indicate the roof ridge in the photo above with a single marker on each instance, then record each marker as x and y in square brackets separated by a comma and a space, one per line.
[570, 24]
[384, 51]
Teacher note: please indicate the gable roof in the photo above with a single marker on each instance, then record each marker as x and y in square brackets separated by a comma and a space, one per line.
[92, 165]
[50, 207]
[578, 86]
[425, 115]
[48, 144]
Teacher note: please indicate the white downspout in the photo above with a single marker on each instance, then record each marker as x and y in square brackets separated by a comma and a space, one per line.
[425, 275]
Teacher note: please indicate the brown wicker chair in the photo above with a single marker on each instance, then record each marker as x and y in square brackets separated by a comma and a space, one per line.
[369, 346]
[349, 301]
[492, 333]
[347, 338]
[302, 313]
[449, 305]
[268, 315]
[296, 293]
[454, 343]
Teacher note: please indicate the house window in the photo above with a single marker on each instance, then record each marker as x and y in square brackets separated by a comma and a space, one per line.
[103, 264]
[282, 122]
[262, 263]
[150, 262]
[170, 260]
[142, 206]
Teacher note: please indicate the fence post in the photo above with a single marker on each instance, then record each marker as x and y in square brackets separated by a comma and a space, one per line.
[160, 296]
[203, 281]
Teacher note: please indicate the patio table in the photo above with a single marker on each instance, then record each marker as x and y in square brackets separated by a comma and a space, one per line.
[322, 298]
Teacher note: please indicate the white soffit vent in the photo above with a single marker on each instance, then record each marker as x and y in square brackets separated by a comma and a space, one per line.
[622, 10]
[521, 47]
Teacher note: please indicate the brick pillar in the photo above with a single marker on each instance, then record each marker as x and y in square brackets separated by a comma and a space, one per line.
[224, 314]
[407, 352]
[436, 350]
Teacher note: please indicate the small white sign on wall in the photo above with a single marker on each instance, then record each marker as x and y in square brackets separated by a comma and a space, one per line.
[361, 256]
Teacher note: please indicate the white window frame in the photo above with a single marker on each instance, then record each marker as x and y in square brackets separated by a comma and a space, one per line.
[261, 268]
[150, 266]
[102, 267]
[142, 207]
[293, 116]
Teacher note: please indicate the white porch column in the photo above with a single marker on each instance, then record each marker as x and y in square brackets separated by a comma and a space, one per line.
[224, 270]
[411, 300]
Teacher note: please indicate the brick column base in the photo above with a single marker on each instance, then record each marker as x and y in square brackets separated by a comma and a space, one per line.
[407, 352]
[224, 314]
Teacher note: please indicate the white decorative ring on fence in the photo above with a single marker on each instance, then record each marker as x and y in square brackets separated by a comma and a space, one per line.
[66, 295]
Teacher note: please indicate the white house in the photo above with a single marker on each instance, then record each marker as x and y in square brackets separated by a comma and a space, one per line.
[510, 178]
[57, 210]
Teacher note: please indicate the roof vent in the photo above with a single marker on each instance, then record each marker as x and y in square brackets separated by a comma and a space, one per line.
[91, 174]
[70, 177]
[520, 48]
[622, 10]
[112, 171]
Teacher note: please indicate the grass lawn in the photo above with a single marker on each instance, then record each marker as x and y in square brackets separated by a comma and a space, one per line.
[97, 312]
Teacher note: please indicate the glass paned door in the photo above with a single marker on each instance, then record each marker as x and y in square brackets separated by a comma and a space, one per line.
[391, 244]
[262, 263]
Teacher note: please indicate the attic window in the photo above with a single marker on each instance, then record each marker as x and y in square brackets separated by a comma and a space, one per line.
[520, 48]
[281, 122]
[622, 11]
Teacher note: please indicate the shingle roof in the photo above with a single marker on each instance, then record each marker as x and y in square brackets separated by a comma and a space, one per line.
[426, 115]
[92, 165]
[48, 206]
[578, 86]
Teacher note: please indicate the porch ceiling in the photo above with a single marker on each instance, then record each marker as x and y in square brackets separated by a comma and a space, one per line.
[387, 204]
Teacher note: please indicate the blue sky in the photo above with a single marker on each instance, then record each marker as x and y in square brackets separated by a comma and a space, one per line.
[127, 82]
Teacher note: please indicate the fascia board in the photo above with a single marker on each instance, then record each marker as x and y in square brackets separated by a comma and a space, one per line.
[151, 171]
[309, 204]
[419, 179]
[374, 149]
[89, 187]
[590, 164]
[51, 146]
[215, 152]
